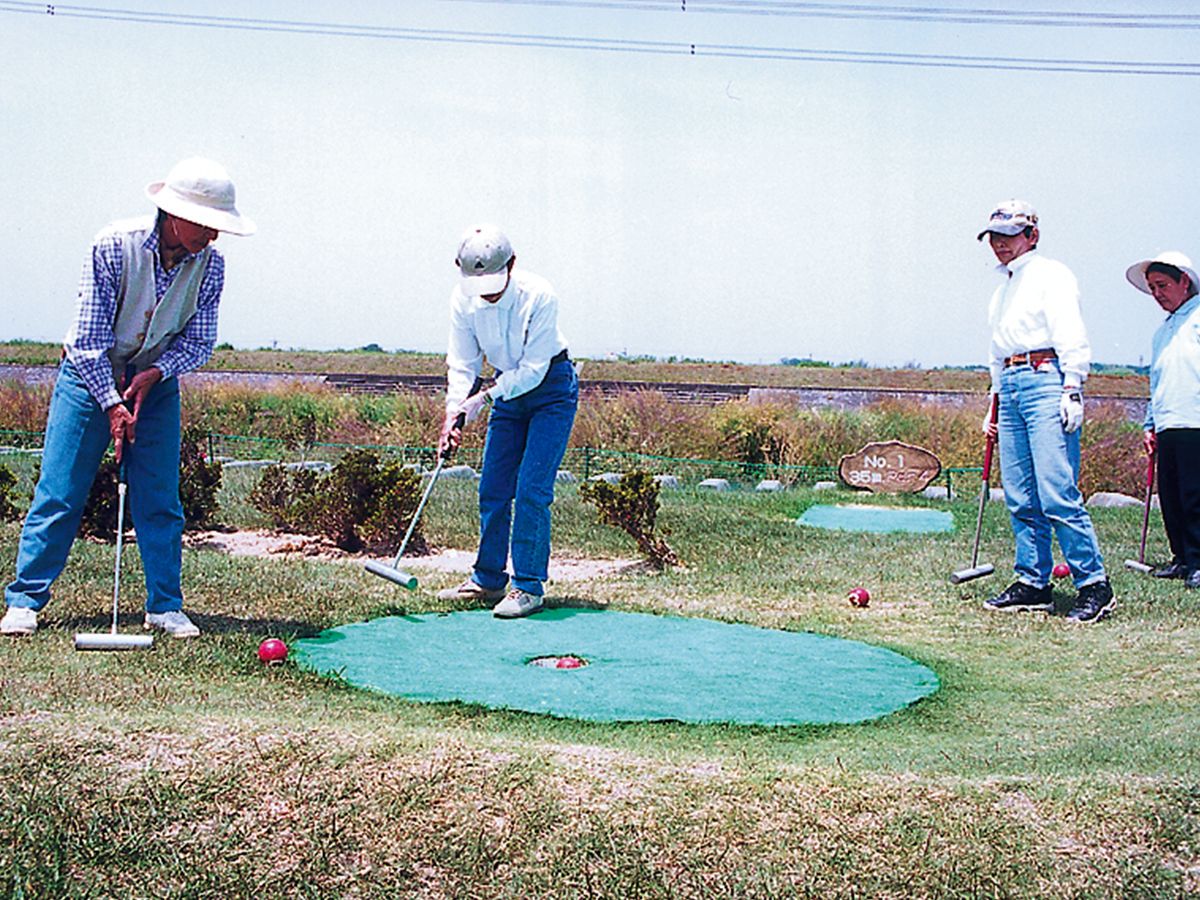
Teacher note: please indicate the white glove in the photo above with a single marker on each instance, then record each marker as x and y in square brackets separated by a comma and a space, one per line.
[1070, 407]
[472, 405]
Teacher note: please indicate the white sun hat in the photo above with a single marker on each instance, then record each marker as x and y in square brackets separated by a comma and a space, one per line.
[483, 256]
[1137, 272]
[199, 191]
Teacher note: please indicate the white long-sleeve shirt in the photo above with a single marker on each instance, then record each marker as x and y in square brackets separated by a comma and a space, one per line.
[1037, 308]
[518, 334]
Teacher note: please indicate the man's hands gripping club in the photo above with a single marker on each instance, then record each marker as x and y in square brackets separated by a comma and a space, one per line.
[122, 422]
[457, 418]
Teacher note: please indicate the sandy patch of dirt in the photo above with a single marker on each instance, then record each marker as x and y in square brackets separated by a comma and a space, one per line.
[262, 543]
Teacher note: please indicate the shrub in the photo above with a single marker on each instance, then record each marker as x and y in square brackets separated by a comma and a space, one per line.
[360, 504]
[647, 422]
[199, 481]
[1111, 457]
[23, 407]
[8, 483]
[100, 511]
[632, 506]
[279, 490]
[303, 414]
[750, 431]
[413, 420]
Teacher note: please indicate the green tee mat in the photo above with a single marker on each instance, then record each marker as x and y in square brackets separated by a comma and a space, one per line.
[639, 667]
[880, 519]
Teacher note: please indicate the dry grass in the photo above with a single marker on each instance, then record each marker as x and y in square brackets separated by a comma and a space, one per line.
[628, 369]
[1055, 762]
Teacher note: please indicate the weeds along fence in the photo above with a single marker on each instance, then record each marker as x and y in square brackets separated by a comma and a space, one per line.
[583, 463]
[738, 440]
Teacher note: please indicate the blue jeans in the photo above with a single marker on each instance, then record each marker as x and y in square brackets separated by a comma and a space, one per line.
[1039, 464]
[77, 437]
[526, 439]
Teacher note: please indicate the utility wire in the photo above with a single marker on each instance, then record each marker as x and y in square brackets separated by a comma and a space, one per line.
[932, 14]
[796, 54]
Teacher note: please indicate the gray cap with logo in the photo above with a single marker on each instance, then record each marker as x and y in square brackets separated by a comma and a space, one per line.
[482, 259]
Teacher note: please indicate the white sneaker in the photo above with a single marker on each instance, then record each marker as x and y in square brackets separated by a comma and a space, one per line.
[19, 620]
[517, 604]
[174, 623]
[469, 590]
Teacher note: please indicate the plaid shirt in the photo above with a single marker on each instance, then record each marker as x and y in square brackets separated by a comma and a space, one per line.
[91, 335]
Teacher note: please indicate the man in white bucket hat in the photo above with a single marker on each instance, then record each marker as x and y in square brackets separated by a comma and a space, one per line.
[147, 311]
[1172, 427]
[1039, 359]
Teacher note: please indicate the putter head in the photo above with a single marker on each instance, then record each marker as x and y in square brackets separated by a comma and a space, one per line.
[970, 574]
[1138, 566]
[404, 579]
[109, 641]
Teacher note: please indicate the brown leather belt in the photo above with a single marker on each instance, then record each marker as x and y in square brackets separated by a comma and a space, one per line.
[1033, 357]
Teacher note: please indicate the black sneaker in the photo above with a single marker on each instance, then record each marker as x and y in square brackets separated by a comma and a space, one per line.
[1173, 569]
[1019, 597]
[1095, 601]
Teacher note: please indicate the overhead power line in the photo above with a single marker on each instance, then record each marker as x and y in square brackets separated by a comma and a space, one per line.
[932, 14]
[796, 54]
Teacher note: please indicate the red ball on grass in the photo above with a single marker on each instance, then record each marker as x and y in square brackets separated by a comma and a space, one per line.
[272, 650]
[1062, 570]
[860, 597]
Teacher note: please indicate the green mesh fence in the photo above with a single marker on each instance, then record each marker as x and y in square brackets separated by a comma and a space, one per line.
[16, 441]
[587, 462]
[582, 462]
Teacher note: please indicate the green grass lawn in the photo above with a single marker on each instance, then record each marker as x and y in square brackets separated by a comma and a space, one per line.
[1056, 761]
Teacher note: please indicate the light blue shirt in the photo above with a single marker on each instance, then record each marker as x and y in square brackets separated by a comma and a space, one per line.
[1175, 371]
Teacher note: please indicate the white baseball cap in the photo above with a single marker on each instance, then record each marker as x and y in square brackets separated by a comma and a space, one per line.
[1137, 272]
[1010, 217]
[199, 190]
[483, 256]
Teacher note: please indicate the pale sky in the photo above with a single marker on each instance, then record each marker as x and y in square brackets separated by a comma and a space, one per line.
[725, 205]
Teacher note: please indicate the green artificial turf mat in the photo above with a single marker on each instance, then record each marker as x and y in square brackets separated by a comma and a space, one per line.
[856, 517]
[639, 667]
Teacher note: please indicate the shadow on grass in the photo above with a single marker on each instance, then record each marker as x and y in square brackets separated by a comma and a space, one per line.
[449, 606]
[284, 628]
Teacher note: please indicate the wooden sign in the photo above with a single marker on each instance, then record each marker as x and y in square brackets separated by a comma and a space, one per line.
[890, 467]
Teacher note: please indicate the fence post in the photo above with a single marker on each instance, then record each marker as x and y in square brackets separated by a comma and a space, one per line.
[587, 463]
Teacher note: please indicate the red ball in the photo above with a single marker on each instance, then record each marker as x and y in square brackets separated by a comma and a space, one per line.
[272, 650]
[1062, 570]
[569, 662]
[860, 597]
